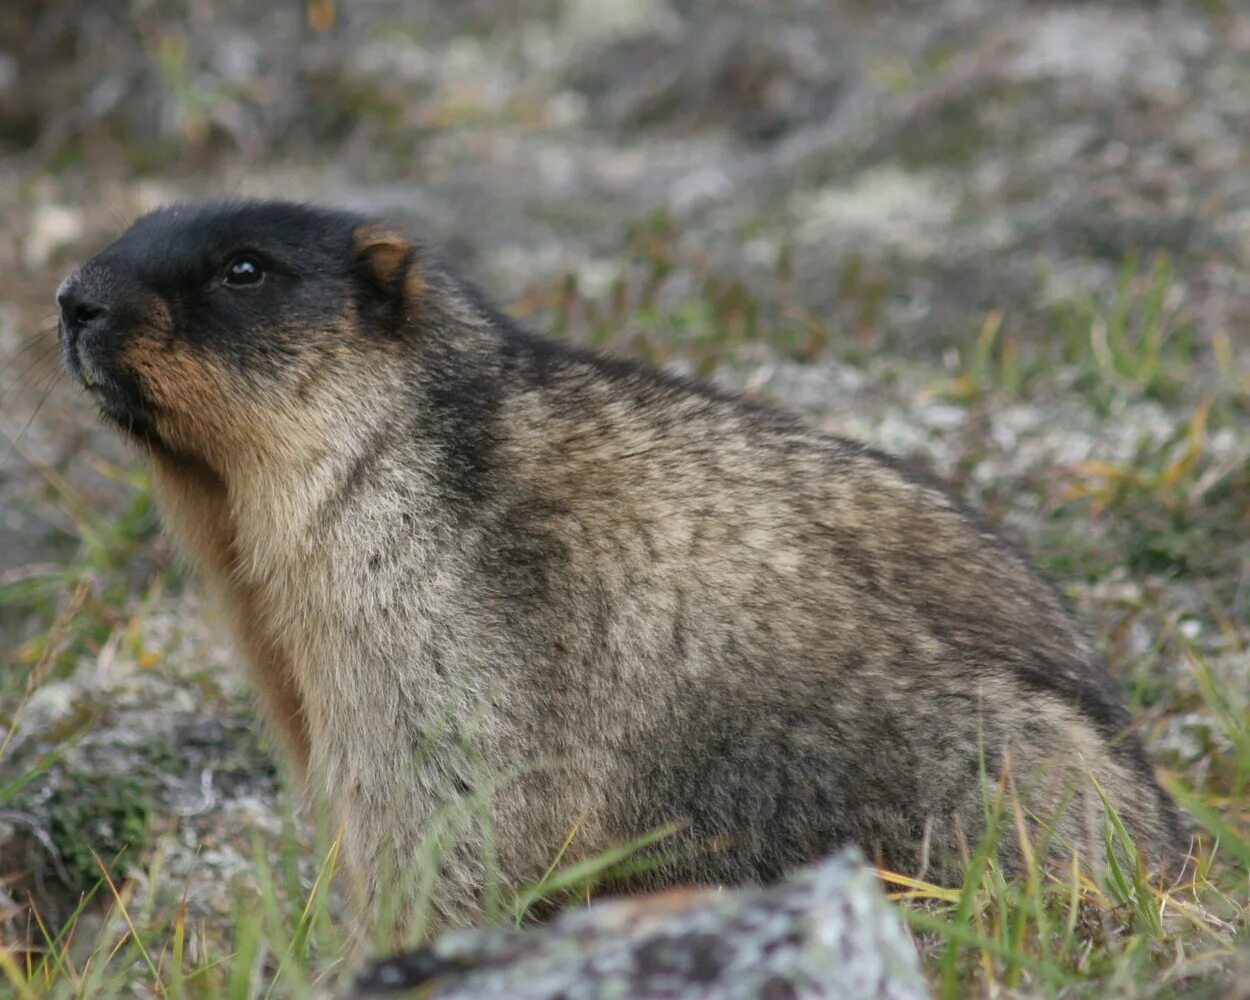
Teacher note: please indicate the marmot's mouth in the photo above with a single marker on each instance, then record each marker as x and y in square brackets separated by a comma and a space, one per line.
[121, 401]
[119, 395]
[84, 374]
[134, 418]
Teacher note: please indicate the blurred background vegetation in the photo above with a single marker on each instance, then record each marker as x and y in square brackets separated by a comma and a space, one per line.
[1008, 240]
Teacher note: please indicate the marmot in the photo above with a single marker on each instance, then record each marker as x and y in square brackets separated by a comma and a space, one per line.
[464, 560]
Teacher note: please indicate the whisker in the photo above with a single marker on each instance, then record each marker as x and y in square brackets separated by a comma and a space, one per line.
[31, 342]
[46, 325]
[46, 357]
[40, 340]
[44, 379]
[26, 427]
[47, 381]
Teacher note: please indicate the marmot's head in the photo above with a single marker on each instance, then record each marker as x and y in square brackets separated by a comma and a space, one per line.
[208, 328]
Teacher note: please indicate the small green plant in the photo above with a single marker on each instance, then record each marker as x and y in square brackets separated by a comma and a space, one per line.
[1137, 342]
[88, 817]
[1177, 507]
[669, 306]
[1140, 343]
[111, 556]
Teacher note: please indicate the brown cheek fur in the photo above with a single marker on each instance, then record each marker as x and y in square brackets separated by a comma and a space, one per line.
[207, 411]
[197, 511]
[203, 430]
[208, 468]
[195, 416]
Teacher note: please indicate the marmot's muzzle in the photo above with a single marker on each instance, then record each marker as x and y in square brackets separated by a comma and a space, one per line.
[93, 332]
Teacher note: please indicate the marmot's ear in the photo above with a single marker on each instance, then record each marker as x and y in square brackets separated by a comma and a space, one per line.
[389, 266]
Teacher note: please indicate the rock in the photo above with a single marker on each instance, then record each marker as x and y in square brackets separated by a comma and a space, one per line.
[826, 932]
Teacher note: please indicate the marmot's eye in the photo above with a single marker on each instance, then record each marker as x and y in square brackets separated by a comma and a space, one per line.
[244, 270]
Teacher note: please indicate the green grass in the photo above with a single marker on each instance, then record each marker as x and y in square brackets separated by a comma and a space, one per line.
[287, 936]
[100, 575]
[1150, 537]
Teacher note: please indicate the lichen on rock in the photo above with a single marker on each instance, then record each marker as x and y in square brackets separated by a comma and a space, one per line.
[826, 932]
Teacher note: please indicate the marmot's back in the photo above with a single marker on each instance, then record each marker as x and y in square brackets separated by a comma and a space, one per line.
[835, 650]
[457, 555]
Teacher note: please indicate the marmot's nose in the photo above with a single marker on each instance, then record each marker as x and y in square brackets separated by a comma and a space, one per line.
[79, 310]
